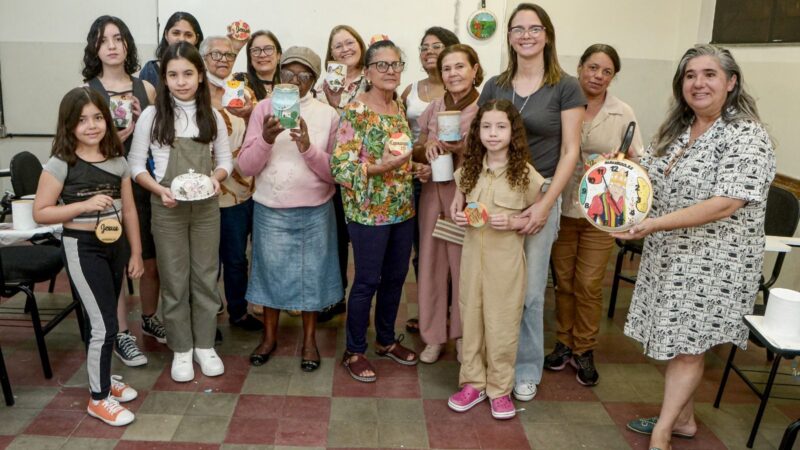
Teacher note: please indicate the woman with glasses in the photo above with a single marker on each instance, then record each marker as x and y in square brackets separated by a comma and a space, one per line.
[378, 202]
[552, 107]
[294, 227]
[180, 27]
[345, 46]
[263, 53]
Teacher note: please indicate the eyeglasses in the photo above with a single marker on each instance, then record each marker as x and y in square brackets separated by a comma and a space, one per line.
[267, 50]
[383, 66]
[519, 32]
[435, 47]
[287, 76]
[217, 55]
[346, 44]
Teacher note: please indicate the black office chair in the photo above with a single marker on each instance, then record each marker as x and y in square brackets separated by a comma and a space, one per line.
[25, 170]
[626, 247]
[22, 268]
[789, 436]
[4, 381]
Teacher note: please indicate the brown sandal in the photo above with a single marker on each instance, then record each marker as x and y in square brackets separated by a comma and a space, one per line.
[358, 366]
[398, 353]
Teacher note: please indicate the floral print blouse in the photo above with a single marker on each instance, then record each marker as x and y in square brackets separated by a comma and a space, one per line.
[382, 199]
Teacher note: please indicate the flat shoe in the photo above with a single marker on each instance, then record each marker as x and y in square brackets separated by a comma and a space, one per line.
[310, 365]
[259, 359]
[645, 426]
[398, 353]
[412, 325]
[358, 366]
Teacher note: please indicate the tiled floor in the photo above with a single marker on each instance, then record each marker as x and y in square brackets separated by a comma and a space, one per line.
[279, 406]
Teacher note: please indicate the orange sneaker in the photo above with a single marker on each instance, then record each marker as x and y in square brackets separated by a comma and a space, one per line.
[121, 391]
[110, 412]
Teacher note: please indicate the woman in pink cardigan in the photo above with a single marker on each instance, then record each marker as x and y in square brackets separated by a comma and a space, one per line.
[439, 260]
[295, 258]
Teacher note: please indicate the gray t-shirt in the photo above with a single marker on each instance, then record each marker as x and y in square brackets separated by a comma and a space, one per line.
[86, 179]
[541, 116]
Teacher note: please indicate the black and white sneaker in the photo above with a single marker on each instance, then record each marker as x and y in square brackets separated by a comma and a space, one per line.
[559, 357]
[127, 351]
[151, 326]
[587, 373]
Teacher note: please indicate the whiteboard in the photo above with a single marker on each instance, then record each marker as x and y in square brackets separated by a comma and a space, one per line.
[38, 67]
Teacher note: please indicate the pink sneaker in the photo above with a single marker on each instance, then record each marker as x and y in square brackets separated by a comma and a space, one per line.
[503, 407]
[466, 398]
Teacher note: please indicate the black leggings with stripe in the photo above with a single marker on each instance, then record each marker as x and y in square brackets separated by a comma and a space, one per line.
[95, 273]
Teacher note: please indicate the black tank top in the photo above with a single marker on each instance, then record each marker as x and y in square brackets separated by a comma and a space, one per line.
[138, 91]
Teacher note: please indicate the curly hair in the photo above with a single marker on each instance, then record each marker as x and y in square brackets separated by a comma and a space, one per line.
[92, 66]
[518, 171]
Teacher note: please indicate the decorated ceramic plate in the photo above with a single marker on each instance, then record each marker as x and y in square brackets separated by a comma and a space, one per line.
[477, 214]
[192, 186]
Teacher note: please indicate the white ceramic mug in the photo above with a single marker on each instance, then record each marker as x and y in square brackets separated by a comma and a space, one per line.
[442, 168]
[22, 215]
[449, 123]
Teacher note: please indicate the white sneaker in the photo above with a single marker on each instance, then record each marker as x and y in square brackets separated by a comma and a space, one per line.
[431, 353]
[210, 364]
[525, 391]
[459, 346]
[121, 391]
[182, 369]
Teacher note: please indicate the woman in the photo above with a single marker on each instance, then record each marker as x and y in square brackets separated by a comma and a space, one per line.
[580, 255]
[109, 60]
[378, 201]
[181, 26]
[711, 164]
[345, 46]
[263, 53]
[439, 260]
[235, 200]
[416, 97]
[552, 106]
[294, 230]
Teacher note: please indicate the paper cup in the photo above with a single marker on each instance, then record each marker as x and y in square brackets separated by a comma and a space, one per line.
[335, 75]
[449, 123]
[22, 215]
[442, 168]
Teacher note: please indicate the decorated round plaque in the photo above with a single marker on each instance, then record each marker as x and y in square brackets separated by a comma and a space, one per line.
[477, 214]
[615, 194]
[482, 23]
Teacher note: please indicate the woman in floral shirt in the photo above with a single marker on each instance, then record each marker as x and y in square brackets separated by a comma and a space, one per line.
[378, 203]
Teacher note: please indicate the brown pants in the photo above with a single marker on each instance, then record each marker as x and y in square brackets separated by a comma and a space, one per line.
[580, 256]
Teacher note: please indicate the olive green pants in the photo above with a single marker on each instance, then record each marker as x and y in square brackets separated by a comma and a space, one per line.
[187, 251]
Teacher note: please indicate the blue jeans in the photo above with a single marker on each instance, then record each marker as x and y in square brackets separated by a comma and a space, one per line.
[235, 227]
[530, 354]
[381, 256]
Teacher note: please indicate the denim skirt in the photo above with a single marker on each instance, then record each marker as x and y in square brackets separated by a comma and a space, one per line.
[295, 258]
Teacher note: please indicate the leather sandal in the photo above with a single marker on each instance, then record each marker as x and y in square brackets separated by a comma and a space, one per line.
[310, 365]
[398, 353]
[358, 366]
[259, 359]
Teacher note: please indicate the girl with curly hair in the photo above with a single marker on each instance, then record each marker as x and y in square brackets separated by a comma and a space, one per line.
[497, 180]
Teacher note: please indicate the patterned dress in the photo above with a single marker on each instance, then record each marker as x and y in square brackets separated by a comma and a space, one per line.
[696, 284]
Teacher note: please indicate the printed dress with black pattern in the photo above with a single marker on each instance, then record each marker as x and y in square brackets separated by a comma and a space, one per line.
[695, 284]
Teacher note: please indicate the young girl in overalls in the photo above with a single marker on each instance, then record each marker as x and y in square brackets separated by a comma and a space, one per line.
[181, 131]
[496, 176]
[86, 185]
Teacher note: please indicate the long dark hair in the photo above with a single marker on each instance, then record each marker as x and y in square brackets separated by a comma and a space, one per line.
[252, 76]
[163, 130]
[173, 19]
[69, 115]
[552, 69]
[518, 154]
[92, 66]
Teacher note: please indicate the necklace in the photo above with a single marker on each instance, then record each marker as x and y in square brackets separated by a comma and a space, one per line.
[514, 96]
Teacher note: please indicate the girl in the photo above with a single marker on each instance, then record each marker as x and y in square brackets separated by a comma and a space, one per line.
[496, 174]
[181, 131]
[439, 260]
[552, 106]
[181, 27]
[109, 60]
[86, 185]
